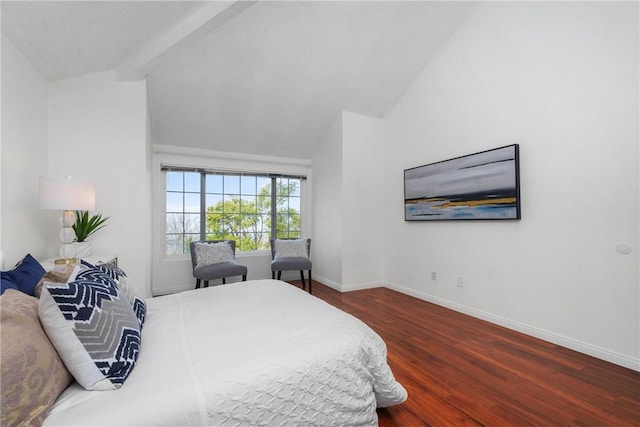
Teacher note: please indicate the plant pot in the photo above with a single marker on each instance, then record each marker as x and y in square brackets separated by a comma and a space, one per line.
[83, 249]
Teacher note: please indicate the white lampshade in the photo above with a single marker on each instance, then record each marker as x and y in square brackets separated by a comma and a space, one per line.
[66, 193]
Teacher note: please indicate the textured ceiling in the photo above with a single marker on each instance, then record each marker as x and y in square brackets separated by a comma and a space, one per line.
[270, 80]
[65, 39]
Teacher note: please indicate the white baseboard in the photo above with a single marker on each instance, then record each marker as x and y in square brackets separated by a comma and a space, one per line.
[348, 287]
[359, 286]
[327, 282]
[189, 287]
[168, 291]
[579, 346]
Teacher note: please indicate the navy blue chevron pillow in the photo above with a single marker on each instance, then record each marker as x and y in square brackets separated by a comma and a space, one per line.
[140, 309]
[93, 328]
[110, 270]
[123, 283]
[94, 274]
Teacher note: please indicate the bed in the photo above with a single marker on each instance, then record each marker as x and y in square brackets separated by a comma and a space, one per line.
[260, 352]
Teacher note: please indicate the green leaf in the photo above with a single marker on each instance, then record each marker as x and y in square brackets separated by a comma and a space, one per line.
[86, 225]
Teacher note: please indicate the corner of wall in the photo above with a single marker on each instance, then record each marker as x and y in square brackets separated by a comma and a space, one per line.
[24, 226]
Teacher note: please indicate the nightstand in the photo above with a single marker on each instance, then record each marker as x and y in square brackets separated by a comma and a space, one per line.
[110, 260]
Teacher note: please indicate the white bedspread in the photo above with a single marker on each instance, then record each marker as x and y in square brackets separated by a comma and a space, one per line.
[250, 353]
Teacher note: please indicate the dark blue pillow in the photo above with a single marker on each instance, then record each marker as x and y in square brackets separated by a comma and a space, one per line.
[24, 276]
[6, 284]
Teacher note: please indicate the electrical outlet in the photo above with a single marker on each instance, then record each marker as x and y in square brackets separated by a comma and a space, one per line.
[460, 282]
[433, 276]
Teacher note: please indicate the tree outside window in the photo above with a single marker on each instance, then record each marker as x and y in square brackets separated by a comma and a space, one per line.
[243, 208]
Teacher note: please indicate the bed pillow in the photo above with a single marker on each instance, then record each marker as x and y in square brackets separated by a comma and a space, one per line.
[63, 275]
[33, 376]
[296, 248]
[6, 284]
[213, 253]
[109, 269]
[93, 328]
[24, 276]
[125, 285]
[137, 304]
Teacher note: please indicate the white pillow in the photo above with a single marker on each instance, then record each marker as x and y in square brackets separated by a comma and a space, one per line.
[93, 328]
[291, 248]
[213, 253]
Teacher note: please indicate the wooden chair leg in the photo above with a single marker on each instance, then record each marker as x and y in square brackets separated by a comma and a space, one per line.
[302, 278]
[224, 282]
[273, 274]
[244, 277]
[197, 283]
[279, 274]
[206, 283]
[310, 281]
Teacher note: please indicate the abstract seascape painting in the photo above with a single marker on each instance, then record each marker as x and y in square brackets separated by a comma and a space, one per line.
[480, 186]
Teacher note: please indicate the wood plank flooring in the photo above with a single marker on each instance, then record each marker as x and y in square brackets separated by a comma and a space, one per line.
[462, 371]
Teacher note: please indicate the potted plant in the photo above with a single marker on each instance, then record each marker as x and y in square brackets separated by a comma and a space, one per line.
[84, 227]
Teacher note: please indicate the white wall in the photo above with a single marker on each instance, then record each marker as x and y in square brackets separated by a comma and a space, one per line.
[97, 131]
[362, 179]
[175, 273]
[24, 157]
[560, 79]
[348, 185]
[327, 208]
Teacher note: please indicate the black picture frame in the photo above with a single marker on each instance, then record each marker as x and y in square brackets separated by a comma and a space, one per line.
[479, 186]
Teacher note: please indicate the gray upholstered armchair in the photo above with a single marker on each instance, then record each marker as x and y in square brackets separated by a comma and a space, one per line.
[215, 259]
[291, 254]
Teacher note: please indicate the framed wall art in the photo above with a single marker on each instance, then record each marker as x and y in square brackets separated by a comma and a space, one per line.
[480, 186]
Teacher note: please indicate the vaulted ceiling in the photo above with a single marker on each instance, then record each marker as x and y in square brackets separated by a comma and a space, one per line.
[266, 77]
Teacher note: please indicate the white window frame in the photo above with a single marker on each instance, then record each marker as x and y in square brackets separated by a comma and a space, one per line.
[222, 161]
[204, 192]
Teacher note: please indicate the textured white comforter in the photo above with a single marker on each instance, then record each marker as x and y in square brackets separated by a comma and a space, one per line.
[252, 353]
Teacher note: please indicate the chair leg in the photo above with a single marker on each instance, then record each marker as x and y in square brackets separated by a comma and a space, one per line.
[224, 281]
[273, 274]
[310, 281]
[279, 274]
[244, 277]
[206, 283]
[302, 278]
[197, 283]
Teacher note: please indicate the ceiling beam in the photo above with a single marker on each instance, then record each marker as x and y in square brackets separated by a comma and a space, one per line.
[183, 35]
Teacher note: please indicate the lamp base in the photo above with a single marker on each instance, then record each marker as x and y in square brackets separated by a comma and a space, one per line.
[66, 261]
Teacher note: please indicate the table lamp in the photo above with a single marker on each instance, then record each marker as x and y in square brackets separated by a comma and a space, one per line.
[66, 194]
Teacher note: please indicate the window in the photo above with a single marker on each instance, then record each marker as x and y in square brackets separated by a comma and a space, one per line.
[242, 207]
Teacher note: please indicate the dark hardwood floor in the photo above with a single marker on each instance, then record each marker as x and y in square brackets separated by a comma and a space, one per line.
[459, 370]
